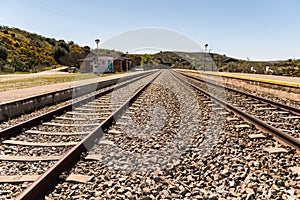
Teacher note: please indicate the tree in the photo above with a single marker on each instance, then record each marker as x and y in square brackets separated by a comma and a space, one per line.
[146, 58]
[18, 65]
[63, 44]
[3, 53]
[58, 52]
[51, 41]
[71, 59]
[71, 43]
[87, 50]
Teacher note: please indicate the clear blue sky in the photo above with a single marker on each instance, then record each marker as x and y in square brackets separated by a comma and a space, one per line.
[258, 29]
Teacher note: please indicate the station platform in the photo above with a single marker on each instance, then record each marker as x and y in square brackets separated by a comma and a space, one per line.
[287, 88]
[17, 94]
[272, 79]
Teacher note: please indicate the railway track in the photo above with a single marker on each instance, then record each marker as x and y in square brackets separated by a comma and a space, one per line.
[274, 117]
[29, 153]
[283, 105]
[220, 160]
[191, 145]
[143, 140]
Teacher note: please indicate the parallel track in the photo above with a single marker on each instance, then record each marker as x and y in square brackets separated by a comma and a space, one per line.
[288, 108]
[284, 137]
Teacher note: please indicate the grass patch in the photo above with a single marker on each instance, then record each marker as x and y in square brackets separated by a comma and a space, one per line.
[46, 80]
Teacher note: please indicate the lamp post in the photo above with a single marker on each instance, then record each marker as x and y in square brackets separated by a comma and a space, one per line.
[96, 59]
[97, 42]
[204, 56]
[212, 60]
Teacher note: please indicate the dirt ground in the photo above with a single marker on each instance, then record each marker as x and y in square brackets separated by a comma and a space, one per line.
[8, 77]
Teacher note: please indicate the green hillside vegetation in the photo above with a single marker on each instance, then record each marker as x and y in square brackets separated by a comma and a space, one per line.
[217, 62]
[21, 51]
[29, 52]
[286, 68]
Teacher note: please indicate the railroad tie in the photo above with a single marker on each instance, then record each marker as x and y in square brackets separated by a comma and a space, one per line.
[257, 136]
[85, 114]
[272, 150]
[232, 119]
[242, 126]
[28, 158]
[72, 118]
[69, 125]
[265, 108]
[30, 178]
[281, 112]
[55, 133]
[291, 117]
[39, 144]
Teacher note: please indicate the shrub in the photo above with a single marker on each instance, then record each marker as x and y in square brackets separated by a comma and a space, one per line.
[16, 44]
[8, 68]
[51, 41]
[87, 49]
[62, 44]
[18, 65]
[58, 52]
[146, 58]
[3, 53]
[70, 43]
[71, 59]
[2, 64]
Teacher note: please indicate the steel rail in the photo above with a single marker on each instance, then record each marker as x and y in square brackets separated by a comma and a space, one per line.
[285, 107]
[39, 188]
[18, 128]
[286, 138]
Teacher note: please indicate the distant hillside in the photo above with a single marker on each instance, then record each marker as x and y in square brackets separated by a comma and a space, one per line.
[217, 62]
[197, 60]
[28, 52]
[21, 51]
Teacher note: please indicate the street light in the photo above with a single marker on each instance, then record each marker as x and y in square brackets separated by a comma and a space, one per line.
[204, 56]
[96, 59]
[212, 59]
[97, 42]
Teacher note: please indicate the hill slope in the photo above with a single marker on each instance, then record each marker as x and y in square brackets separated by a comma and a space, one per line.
[32, 52]
[217, 62]
[21, 51]
[28, 52]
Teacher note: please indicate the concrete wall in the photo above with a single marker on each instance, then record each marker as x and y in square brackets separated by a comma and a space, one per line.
[27, 105]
